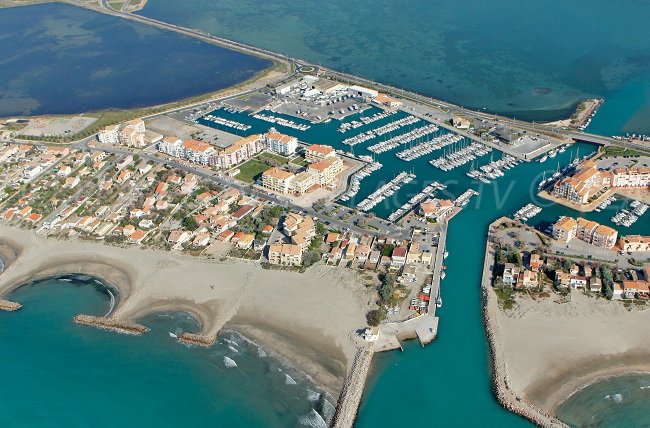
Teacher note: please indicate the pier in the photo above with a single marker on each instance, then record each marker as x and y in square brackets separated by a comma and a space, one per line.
[9, 306]
[350, 398]
[112, 324]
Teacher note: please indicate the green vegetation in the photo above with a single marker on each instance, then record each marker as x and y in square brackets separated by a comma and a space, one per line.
[251, 170]
[615, 151]
[506, 297]
[375, 316]
[272, 159]
[300, 161]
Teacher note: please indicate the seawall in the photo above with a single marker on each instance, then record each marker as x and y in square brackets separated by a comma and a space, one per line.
[508, 398]
[112, 324]
[350, 398]
[6, 305]
[197, 339]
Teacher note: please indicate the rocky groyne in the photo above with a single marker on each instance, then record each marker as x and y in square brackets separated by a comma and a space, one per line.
[197, 339]
[350, 398]
[112, 324]
[9, 306]
[500, 384]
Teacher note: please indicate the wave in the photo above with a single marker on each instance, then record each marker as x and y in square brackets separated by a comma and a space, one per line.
[617, 398]
[233, 349]
[328, 411]
[230, 342]
[313, 419]
[644, 387]
[288, 380]
[112, 306]
[229, 362]
[313, 395]
[261, 353]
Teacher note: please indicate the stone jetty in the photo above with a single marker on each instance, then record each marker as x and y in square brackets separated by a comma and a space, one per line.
[112, 324]
[508, 398]
[6, 305]
[196, 339]
[350, 398]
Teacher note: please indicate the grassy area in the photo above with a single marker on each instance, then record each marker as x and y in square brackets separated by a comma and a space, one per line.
[506, 298]
[300, 161]
[615, 151]
[272, 157]
[251, 170]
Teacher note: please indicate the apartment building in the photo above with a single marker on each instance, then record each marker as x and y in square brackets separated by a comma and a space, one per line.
[240, 151]
[109, 135]
[280, 143]
[278, 180]
[589, 231]
[325, 171]
[285, 254]
[318, 152]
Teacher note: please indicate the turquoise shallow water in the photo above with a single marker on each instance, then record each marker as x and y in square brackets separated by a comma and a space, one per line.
[530, 59]
[58, 58]
[59, 374]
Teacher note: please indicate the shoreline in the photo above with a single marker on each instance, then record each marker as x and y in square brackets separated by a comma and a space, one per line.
[604, 338]
[286, 312]
[501, 384]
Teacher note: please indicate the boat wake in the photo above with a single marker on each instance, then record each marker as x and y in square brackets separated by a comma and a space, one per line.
[616, 398]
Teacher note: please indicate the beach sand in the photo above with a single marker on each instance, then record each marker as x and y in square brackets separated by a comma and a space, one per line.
[306, 318]
[553, 349]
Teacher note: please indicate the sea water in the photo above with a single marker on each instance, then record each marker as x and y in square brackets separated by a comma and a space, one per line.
[620, 401]
[524, 58]
[56, 373]
[57, 58]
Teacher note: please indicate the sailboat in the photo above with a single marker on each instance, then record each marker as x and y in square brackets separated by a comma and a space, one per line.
[540, 186]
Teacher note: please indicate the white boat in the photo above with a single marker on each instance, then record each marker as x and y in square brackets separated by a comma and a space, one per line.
[543, 159]
[438, 300]
[444, 256]
[442, 275]
[173, 335]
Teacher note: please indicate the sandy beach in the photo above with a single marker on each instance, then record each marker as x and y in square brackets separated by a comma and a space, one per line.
[306, 318]
[553, 349]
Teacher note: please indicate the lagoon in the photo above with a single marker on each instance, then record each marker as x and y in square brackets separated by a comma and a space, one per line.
[529, 59]
[60, 59]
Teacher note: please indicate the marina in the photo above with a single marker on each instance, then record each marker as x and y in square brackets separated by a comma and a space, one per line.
[363, 120]
[426, 147]
[627, 217]
[463, 199]
[227, 123]
[385, 191]
[492, 170]
[426, 192]
[281, 121]
[402, 139]
[382, 130]
[459, 156]
[355, 180]
[527, 212]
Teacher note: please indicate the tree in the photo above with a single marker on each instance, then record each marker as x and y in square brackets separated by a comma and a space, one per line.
[309, 258]
[387, 287]
[190, 224]
[374, 317]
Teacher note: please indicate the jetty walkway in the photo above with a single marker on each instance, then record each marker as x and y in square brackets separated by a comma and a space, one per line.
[350, 398]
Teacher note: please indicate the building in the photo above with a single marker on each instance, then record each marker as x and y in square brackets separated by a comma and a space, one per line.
[135, 124]
[197, 151]
[630, 177]
[634, 243]
[278, 180]
[280, 143]
[109, 135]
[562, 279]
[285, 254]
[437, 209]
[172, 146]
[461, 122]
[303, 182]
[387, 101]
[360, 91]
[589, 231]
[318, 152]
[130, 137]
[577, 282]
[527, 279]
[325, 171]
[510, 274]
[581, 187]
[564, 229]
[240, 151]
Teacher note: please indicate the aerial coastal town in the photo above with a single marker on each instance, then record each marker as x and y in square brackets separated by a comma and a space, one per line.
[241, 178]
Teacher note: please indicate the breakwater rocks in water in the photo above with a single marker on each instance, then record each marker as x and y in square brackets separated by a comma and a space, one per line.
[112, 324]
[500, 384]
[6, 305]
[350, 398]
[196, 339]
